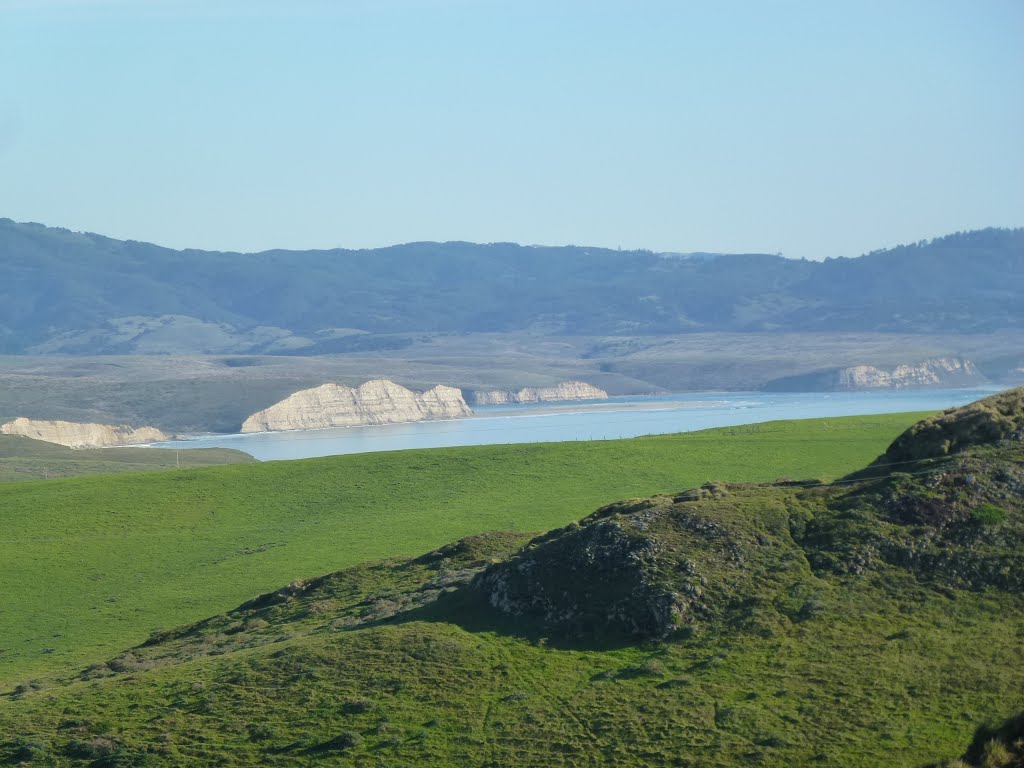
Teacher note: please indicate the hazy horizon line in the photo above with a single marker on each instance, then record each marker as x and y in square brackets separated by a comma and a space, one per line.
[697, 252]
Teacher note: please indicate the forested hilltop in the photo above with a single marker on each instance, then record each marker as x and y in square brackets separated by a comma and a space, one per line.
[77, 293]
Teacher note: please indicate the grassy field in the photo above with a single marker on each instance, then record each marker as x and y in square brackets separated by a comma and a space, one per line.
[406, 663]
[24, 459]
[92, 565]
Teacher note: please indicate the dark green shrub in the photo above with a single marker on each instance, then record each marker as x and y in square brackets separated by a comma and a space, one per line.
[357, 706]
[24, 688]
[261, 732]
[92, 749]
[988, 514]
[29, 748]
[122, 759]
[652, 668]
[809, 609]
[343, 741]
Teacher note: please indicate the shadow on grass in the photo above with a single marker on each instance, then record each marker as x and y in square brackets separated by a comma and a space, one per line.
[469, 610]
[1009, 733]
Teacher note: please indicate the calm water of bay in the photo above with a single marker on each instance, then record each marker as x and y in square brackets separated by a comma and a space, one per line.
[615, 418]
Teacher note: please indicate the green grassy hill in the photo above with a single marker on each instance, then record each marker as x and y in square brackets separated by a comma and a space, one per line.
[874, 621]
[22, 458]
[92, 565]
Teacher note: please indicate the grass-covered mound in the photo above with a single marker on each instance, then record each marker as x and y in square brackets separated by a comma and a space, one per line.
[985, 422]
[649, 568]
[785, 624]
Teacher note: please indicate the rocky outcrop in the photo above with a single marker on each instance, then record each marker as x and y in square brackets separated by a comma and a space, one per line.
[587, 581]
[991, 420]
[76, 435]
[567, 390]
[935, 372]
[946, 501]
[650, 568]
[635, 569]
[375, 402]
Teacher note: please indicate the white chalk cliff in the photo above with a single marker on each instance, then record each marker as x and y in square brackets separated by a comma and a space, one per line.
[76, 435]
[938, 371]
[934, 372]
[567, 390]
[375, 402]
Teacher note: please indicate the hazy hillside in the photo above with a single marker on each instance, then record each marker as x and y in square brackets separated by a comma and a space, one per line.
[83, 293]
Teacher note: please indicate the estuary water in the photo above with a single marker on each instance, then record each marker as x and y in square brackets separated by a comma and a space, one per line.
[604, 420]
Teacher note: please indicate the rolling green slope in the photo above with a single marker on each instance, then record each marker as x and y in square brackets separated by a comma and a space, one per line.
[91, 565]
[22, 458]
[867, 684]
[874, 621]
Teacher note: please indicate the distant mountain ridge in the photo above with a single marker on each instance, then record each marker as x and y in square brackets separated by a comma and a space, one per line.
[77, 293]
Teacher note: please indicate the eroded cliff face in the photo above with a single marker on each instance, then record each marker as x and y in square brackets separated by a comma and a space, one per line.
[77, 435]
[375, 402]
[935, 372]
[567, 390]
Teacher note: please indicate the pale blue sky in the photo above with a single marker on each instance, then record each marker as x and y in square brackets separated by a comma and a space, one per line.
[817, 129]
